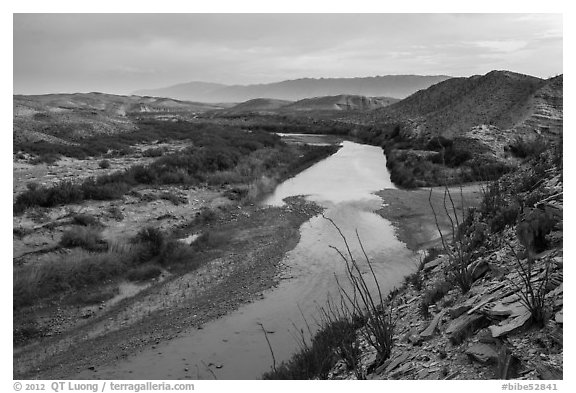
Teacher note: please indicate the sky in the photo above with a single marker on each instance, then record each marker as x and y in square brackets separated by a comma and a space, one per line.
[121, 53]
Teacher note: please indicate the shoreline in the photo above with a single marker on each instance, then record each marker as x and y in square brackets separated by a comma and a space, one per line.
[410, 212]
[249, 265]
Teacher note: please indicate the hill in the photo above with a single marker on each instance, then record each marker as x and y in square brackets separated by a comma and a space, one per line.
[257, 105]
[397, 86]
[343, 102]
[500, 98]
[60, 117]
[466, 129]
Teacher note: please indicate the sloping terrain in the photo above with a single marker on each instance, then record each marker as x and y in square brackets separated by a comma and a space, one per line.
[52, 117]
[499, 98]
[397, 86]
[467, 129]
[341, 102]
[258, 105]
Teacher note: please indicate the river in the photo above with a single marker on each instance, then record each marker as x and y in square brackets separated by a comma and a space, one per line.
[234, 346]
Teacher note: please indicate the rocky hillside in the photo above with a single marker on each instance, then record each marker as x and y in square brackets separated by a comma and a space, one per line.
[467, 129]
[61, 117]
[486, 304]
[397, 86]
[508, 323]
[501, 99]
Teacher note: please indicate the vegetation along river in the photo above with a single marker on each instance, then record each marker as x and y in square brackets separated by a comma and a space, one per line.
[234, 346]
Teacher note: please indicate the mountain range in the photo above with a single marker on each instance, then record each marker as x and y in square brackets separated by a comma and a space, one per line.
[395, 86]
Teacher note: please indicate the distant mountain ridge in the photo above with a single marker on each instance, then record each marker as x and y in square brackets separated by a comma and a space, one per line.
[395, 86]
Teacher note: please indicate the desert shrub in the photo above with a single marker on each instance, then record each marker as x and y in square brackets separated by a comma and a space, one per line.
[450, 156]
[47, 158]
[154, 152]
[143, 272]
[73, 271]
[84, 220]
[26, 329]
[526, 148]
[104, 164]
[178, 253]
[205, 215]
[431, 254]
[153, 239]
[260, 187]
[88, 238]
[236, 193]
[175, 199]
[115, 213]
[415, 279]
[21, 232]
[438, 143]
[533, 228]
[433, 295]
[317, 359]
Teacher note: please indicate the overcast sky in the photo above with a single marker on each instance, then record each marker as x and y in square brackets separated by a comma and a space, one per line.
[120, 53]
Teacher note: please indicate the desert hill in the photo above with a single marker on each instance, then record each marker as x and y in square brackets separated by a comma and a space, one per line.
[500, 99]
[72, 116]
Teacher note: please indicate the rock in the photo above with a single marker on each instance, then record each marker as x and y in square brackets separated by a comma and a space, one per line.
[429, 331]
[509, 325]
[456, 311]
[394, 363]
[465, 326]
[478, 269]
[433, 264]
[482, 353]
[508, 365]
[511, 310]
[549, 372]
[559, 317]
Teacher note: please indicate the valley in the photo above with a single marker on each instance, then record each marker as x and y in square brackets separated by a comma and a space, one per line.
[157, 234]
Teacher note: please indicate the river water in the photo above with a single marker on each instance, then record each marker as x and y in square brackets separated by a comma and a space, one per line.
[234, 347]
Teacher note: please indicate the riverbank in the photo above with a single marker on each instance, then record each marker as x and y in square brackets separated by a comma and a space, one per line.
[413, 217]
[239, 257]
[236, 272]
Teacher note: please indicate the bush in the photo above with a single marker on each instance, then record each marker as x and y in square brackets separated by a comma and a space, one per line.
[317, 359]
[155, 152]
[433, 295]
[47, 158]
[104, 164]
[84, 220]
[205, 215]
[175, 199]
[88, 238]
[143, 272]
[73, 271]
[153, 239]
[527, 148]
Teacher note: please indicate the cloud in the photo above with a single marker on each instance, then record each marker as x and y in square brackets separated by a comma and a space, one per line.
[124, 52]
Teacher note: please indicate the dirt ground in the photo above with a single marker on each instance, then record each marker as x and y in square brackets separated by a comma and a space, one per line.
[234, 273]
